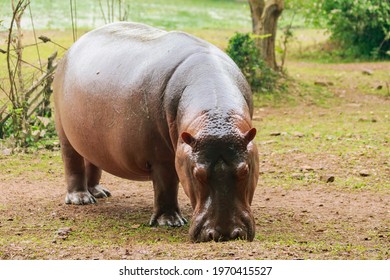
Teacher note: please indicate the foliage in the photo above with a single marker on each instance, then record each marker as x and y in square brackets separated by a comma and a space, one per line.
[24, 116]
[41, 129]
[242, 49]
[360, 27]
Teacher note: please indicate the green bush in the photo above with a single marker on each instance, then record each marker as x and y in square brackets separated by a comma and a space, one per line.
[243, 51]
[361, 27]
[40, 129]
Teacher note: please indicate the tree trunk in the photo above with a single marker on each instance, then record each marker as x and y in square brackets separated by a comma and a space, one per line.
[265, 15]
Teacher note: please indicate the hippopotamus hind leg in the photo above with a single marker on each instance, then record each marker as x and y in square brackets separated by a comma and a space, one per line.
[94, 174]
[74, 172]
[166, 207]
[75, 177]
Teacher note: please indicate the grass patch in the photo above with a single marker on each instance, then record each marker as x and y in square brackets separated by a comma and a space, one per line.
[40, 165]
[169, 14]
[337, 140]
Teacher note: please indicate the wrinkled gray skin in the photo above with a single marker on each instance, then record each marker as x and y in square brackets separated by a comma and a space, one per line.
[145, 104]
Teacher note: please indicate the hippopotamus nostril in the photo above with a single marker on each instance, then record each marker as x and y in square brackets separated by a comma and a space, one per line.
[238, 233]
[213, 234]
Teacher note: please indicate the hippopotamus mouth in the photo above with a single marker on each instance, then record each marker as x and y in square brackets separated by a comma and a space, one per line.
[239, 226]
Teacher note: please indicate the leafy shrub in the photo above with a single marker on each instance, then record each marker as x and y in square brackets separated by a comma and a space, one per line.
[41, 129]
[243, 51]
[361, 27]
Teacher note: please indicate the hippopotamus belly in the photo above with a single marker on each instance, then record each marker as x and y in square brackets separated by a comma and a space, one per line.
[146, 104]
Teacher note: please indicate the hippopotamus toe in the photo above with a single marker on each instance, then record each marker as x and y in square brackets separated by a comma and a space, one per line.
[99, 191]
[79, 198]
[174, 219]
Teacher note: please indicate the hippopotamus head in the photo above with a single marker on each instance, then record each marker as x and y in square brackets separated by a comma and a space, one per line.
[218, 168]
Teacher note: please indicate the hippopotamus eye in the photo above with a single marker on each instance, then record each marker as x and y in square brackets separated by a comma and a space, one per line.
[242, 170]
[200, 173]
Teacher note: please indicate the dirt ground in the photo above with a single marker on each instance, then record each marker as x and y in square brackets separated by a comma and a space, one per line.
[308, 219]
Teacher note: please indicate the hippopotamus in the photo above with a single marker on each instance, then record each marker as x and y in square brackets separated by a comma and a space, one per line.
[147, 104]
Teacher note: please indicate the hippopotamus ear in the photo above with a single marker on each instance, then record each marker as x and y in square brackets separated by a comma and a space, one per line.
[250, 135]
[188, 138]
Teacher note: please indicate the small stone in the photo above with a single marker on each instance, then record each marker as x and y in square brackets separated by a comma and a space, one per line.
[275, 133]
[298, 134]
[7, 152]
[364, 173]
[306, 168]
[367, 71]
[327, 178]
[323, 83]
[135, 226]
[64, 232]
[379, 87]
[297, 176]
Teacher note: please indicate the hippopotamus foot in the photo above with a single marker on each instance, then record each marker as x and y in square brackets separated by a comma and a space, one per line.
[79, 198]
[166, 206]
[172, 219]
[99, 191]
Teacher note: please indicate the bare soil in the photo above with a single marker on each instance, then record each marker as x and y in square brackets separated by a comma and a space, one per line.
[297, 217]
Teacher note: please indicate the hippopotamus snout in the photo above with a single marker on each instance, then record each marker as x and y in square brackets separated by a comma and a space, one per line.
[242, 228]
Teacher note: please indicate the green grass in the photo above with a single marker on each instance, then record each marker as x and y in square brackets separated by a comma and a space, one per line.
[337, 140]
[37, 166]
[169, 14]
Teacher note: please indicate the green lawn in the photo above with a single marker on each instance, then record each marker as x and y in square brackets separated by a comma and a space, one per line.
[169, 14]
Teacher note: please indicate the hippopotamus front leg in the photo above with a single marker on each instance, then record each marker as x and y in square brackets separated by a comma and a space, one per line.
[166, 207]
